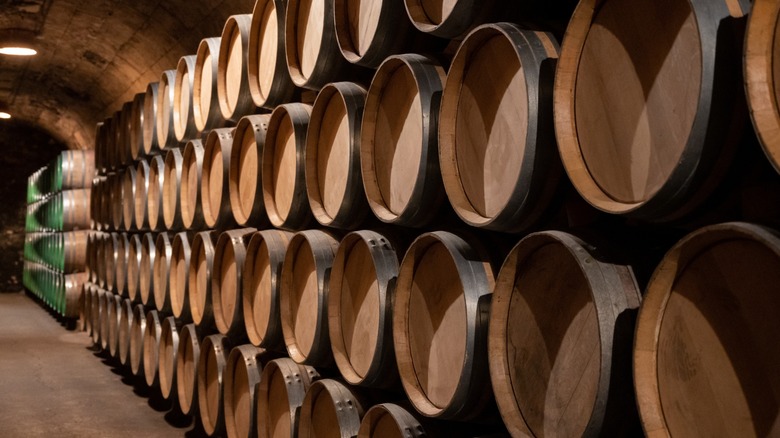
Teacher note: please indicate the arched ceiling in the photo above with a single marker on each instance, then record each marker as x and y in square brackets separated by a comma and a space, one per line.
[95, 55]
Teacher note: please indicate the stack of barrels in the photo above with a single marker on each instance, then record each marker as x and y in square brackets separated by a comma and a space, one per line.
[304, 228]
[57, 229]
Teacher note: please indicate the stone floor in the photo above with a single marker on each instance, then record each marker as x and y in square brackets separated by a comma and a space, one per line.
[53, 383]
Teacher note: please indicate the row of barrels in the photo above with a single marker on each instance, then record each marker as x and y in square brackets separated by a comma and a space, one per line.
[65, 252]
[551, 328]
[243, 390]
[67, 210]
[60, 292]
[69, 170]
[483, 134]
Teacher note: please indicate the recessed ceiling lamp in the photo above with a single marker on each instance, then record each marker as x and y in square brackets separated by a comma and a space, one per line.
[17, 42]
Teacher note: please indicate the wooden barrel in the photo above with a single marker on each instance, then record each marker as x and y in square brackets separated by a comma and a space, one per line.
[101, 143]
[125, 328]
[137, 127]
[169, 348]
[171, 194]
[199, 279]
[137, 340]
[313, 56]
[152, 335]
[183, 113]
[242, 374]
[105, 220]
[333, 179]
[235, 100]
[121, 248]
[129, 185]
[117, 183]
[88, 292]
[112, 151]
[123, 131]
[110, 244]
[75, 209]
[214, 187]
[647, 102]
[360, 297]
[165, 125]
[304, 296]
[191, 175]
[447, 18]
[187, 369]
[559, 342]
[73, 288]
[163, 250]
[497, 149]
[262, 287]
[269, 80]
[281, 391]
[762, 75]
[114, 306]
[96, 203]
[93, 241]
[398, 143]
[78, 169]
[244, 180]
[211, 367]
[150, 143]
[134, 251]
[96, 314]
[704, 349]
[74, 250]
[440, 326]
[146, 283]
[178, 287]
[226, 288]
[363, 26]
[388, 420]
[283, 168]
[205, 100]
[330, 408]
[105, 319]
[154, 198]
[140, 216]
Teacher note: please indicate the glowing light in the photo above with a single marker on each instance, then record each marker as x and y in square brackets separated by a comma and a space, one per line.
[18, 51]
[4, 115]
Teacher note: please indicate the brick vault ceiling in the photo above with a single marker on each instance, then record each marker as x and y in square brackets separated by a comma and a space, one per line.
[93, 55]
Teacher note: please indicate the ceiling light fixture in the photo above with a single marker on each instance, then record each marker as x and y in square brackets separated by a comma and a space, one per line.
[4, 115]
[17, 42]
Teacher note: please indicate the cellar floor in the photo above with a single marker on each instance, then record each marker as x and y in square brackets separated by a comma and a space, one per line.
[53, 383]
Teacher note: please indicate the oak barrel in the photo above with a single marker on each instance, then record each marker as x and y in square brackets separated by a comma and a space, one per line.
[311, 47]
[497, 149]
[705, 355]
[77, 168]
[163, 250]
[171, 194]
[164, 124]
[235, 99]
[211, 369]
[226, 288]
[447, 18]
[178, 282]
[559, 342]
[137, 122]
[75, 209]
[191, 176]
[242, 374]
[154, 198]
[152, 334]
[389, 420]
[125, 328]
[281, 391]
[304, 296]
[360, 297]
[330, 408]
[648, 102]
[269, 80]
[137, 340]
[333, 177]
[398, 143]
[113, 312]
[110, 254]
[133, 267]
[146, 283]
[440, 326]
[762, 75]
[166, 358]
[128, 200]
[140, 193]
[117, 183]
[205, 94]
[244, 179]
[199, 279]
[283, 168]
[214, 187]
[121, 248]
[150, 143]
[262, 287]
[187, 369]
[74, 250]
[183, 114]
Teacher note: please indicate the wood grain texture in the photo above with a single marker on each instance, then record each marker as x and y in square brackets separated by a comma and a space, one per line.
[154, 200]
[269, 81]
[199, 280]
[398, 147]
[496, 132]
[140, 215]
[762, 75]
[146, 280]
[161, 272]
[703, 354]
[227, 281]
[283, 386]
[244, 174]
[333, 178]
[214, 185]
[183, 114]
[242, 374]
[235, 99]
[150, 144]
[388, 420]
[362, 26]
[166, 137]
[191, 177]
[171, 193]
[152, 348]
[169, 348]
[447, 18]
[205, 93]
[178, 282]
[187, 369]
[319, 416]
[211, 367]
